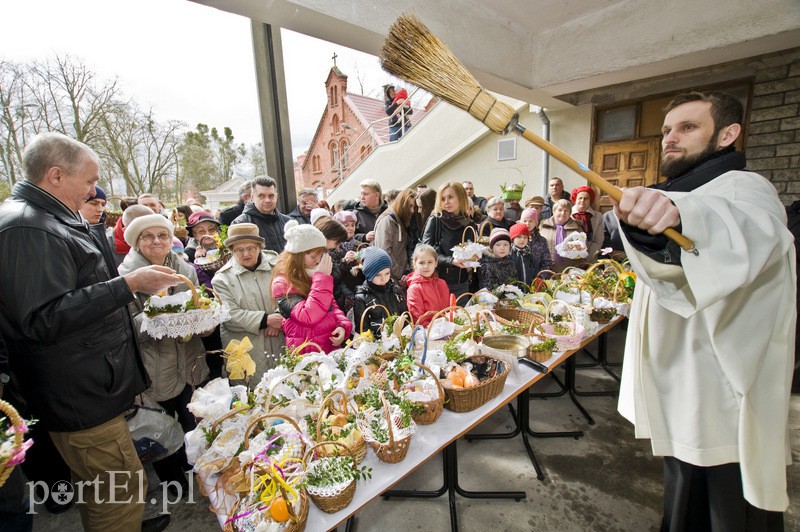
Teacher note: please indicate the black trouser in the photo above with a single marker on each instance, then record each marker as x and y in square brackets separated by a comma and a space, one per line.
[710, 499]
[172, 467]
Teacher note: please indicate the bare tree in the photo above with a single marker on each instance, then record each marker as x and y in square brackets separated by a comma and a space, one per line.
[139, 150]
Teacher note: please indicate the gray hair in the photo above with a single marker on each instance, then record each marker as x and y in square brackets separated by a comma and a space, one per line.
[133, 212]
[51, 149]
[562, 203]
[306, 192]
[246, 189]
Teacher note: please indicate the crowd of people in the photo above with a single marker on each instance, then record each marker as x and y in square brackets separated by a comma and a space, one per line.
[313, 278]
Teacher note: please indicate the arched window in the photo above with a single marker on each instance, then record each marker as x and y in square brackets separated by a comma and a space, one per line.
[315, 163]
[334, 154]
[335, 124]
[334, 96]
[345, 155]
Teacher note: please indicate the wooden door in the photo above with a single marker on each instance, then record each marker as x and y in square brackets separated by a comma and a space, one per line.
[627, 163]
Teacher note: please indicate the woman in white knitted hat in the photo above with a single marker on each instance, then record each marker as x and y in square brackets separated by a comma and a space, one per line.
[303, 287]
[172, 364]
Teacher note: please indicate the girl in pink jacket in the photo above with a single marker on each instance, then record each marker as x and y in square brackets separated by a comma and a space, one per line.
[427, 293]
[303, 288]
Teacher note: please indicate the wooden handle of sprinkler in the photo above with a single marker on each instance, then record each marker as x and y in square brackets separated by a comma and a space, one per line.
[596, 180]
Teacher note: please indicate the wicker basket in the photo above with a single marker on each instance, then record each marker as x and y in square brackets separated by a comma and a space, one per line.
[180, 324]
[358, 449]
[297, 520]
[212, 267]
[434, 407]
[538, 355]
[18, 424]
[337, 501]
[393, 451]
[564, 342]
[467, 399]
[522, 316]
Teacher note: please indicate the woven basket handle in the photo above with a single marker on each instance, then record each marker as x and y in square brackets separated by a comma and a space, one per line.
[390, 428]
[615, 296]
[550, 305]
[484, 224]
[292, 374]
[400, 323]
[343, 405]
[259, 419]
[602, 263]
[366, 311]
[434, 377]
[452, 308]
[229, 414]
[17, 423]
[464, 234]
[296, 350]
[188, 282]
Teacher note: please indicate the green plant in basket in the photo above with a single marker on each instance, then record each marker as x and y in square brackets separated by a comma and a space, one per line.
[335, 470]
[371, 398]
[561, 329]
[547, 345]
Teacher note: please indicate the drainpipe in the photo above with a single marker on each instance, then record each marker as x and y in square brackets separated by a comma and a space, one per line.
[546, 159]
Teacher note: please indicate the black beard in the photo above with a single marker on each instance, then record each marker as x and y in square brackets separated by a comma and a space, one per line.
[678, 166]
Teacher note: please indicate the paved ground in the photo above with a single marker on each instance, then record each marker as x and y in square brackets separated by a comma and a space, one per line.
[605, 481]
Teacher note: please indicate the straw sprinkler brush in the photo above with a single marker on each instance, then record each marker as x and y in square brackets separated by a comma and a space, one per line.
[411, 52]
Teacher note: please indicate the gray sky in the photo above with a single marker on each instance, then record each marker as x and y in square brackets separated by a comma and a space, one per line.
[187, 61]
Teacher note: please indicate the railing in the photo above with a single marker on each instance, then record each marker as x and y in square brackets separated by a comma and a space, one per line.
[344, 165]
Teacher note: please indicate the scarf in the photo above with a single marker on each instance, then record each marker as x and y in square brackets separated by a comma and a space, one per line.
[455, 221]
[120, 246]
[658, 247]
[706, 170]
[559, 232]
[585, 218]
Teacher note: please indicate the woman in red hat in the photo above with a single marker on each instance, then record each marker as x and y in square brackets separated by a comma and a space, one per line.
[582, 199]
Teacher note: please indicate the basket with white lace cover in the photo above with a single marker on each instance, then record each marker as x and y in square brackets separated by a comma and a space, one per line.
[182, 314]
[331, 478]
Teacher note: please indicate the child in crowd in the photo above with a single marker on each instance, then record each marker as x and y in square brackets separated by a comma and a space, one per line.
[521, 253]
[378, 288]
[427, 293]
[348, 220]
[497, 266]
[540, 253]
[303, 288]
[351, 276]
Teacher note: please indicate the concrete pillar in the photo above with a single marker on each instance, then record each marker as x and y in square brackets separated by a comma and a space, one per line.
[271, 84]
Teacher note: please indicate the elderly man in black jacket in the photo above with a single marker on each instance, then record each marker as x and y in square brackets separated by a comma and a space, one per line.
[64, 316]
[227, 216]
[263, 211]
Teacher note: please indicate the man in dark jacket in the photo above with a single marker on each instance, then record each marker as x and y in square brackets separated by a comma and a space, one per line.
[306, 202]
[227, 216]
[555, 189]
[262, 210]
[64, 316]
[368, 209]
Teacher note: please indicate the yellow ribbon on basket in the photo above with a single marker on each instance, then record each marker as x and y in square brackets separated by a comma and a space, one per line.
[267, 483]
[240, 363]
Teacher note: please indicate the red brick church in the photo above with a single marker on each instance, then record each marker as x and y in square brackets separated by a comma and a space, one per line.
[351, 127]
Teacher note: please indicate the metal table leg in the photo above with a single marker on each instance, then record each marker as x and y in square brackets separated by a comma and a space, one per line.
[602, 357]
[451, 486]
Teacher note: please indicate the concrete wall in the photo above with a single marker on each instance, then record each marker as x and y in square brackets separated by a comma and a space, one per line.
[569, 130]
